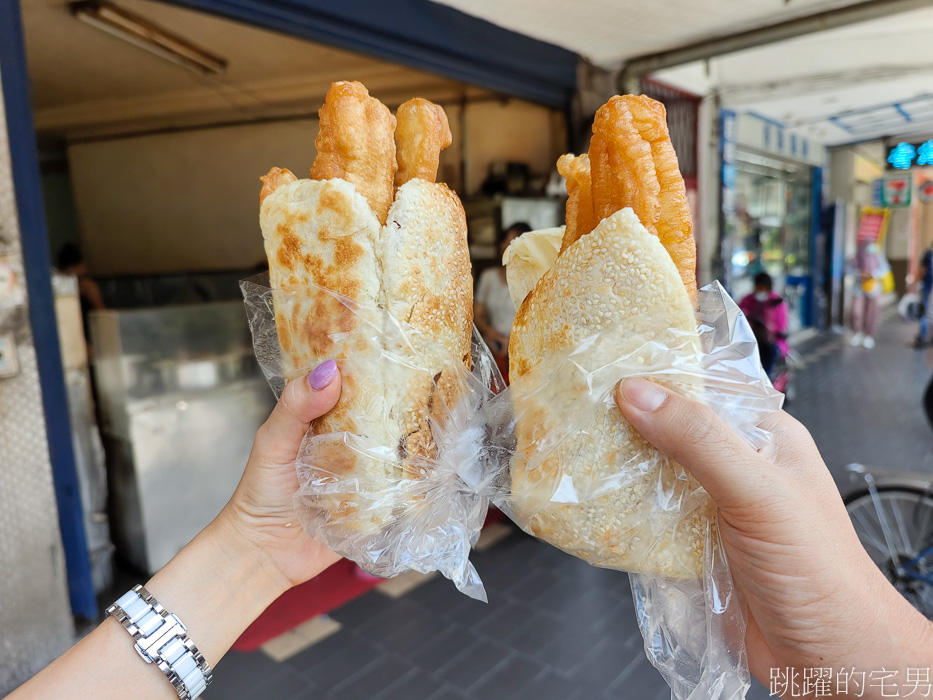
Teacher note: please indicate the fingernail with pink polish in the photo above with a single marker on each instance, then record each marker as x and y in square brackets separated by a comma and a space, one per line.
[323, 375]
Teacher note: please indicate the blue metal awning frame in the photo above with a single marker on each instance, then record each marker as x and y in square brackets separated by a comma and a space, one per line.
[419, 34]
[38, 268]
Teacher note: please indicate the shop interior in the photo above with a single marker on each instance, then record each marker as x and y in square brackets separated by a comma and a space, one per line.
[154, 125]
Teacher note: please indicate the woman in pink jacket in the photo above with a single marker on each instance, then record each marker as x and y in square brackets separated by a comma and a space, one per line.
[767, 314]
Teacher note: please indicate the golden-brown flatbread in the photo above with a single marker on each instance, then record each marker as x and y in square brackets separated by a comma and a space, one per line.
[324, 234]
[427, 283]
[595, 496]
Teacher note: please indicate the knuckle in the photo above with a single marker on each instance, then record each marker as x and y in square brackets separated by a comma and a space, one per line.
[692, 423]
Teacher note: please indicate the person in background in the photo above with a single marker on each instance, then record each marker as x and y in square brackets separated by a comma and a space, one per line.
[493, 310]
[71, 262]
[767, 314]
[866, 295]
[925, 279]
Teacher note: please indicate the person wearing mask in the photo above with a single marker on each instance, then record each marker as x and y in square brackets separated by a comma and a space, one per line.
[814, 598]
[866, 297]
[493, 310]
[925, 279]
[767, 314]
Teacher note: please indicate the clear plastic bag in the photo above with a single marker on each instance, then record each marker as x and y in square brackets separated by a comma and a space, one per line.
[365, 489]
[643, 514]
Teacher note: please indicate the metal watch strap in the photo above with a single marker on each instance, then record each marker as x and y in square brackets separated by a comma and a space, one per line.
[162, 639]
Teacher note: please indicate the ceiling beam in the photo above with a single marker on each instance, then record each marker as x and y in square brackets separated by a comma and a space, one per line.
[822, 21]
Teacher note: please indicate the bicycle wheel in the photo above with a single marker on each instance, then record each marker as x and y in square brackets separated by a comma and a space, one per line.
[899, 540]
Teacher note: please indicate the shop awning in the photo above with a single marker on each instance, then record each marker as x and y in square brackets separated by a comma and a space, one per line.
[422, 35]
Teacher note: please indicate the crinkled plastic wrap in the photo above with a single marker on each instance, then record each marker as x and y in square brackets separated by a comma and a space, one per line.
[637, 510]
[368, 493]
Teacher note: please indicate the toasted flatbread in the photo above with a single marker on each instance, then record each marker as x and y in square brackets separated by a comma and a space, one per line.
[323, 235]
[596, 495]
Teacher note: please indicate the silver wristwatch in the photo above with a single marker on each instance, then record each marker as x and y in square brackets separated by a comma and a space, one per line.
[162, 639]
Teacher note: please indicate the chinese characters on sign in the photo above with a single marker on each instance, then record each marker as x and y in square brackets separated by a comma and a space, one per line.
[827, 683]
[905, 155]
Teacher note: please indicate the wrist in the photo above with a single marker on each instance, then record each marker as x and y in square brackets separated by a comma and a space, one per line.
[232, 535]
[217, 586]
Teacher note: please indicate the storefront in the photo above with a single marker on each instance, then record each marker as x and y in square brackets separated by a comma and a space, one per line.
[152, 166]
[771, 199]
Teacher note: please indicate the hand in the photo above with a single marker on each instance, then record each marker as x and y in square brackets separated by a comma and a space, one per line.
[814, 597]
[261, 512]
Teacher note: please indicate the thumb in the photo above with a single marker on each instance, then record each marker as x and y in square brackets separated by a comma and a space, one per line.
[303, 400]
[733, 474]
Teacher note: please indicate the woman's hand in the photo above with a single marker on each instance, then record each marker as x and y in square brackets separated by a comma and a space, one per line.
[261, 513]
[815, 599]
[222, 580]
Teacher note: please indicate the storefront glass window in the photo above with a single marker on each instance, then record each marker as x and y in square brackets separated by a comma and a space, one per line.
[771, 229]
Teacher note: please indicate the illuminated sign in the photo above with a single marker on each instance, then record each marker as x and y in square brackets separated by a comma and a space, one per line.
[901, 157]
[905, 155]
[925, 153]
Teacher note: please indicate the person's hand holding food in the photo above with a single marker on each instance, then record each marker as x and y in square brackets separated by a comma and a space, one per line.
[815, 598]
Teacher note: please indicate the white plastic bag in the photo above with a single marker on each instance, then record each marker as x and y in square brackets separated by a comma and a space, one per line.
[363, 492]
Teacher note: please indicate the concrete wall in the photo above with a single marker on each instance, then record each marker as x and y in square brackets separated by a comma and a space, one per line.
[35, 616]
[188, 200]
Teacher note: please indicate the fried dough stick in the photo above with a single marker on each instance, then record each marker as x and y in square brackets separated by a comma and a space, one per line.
[675, 225]
[634, 165]
[422, 133]
[581, 218]
[274, 179]
[356, 143]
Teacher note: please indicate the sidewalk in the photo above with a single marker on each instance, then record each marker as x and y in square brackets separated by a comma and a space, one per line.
[866, 405]
[555, 628]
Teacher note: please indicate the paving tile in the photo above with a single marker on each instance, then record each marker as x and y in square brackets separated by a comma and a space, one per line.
[474, 664]
[450, 645]
[397, 615]
[535, 584]
[414, 686]
[361, 610]
[354, 659]
[568, 650]
[440, 596]
[284, 685]
[373, 679]
[240, 672]
[504, 621]
[287, 644]
[397, 586]
[410, 639]
[548, 686]
[600, 667]
[536, 633]
[322, 651]
[509, 679]
[448, 693]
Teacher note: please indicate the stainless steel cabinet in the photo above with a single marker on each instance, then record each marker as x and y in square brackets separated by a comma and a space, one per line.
[181, 397]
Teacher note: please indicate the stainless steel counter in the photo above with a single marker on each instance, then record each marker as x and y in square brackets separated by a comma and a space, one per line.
[181, 397]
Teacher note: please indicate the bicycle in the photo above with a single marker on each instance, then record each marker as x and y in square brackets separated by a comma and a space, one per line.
[893, 518]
